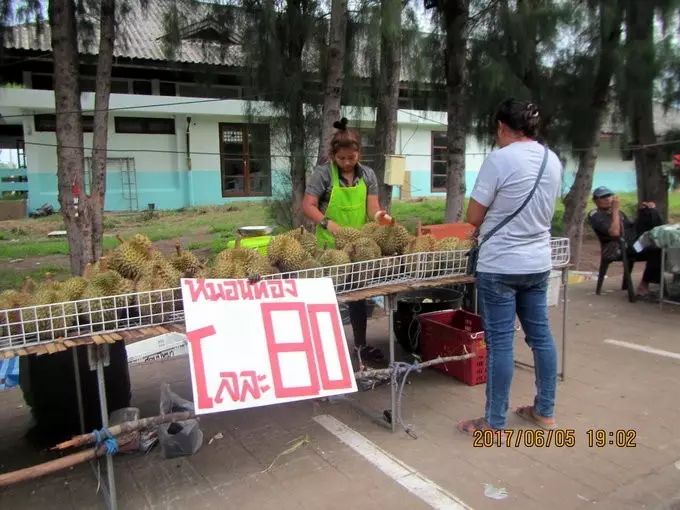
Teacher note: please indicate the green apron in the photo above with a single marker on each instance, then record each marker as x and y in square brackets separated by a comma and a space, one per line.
[346, 207]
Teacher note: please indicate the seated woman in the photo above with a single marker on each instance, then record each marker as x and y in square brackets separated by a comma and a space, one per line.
[611, 224]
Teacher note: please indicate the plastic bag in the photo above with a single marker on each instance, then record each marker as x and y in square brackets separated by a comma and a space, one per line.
[182, 437]
[127, 442]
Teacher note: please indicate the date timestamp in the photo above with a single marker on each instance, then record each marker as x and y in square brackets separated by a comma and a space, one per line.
[560, 438]
[621, 438]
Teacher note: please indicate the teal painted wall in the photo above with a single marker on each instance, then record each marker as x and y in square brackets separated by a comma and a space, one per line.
[174, 190]
[166, 190]
[617, 180]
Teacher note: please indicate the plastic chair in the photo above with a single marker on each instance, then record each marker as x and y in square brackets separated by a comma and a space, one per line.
[627, 281]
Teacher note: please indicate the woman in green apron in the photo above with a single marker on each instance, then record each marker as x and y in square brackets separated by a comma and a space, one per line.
[344, 193]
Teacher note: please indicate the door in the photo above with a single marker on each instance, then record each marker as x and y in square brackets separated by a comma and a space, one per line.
[245, 161]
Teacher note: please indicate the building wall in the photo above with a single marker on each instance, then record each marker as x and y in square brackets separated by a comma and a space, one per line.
[610, 170]
[168, 179]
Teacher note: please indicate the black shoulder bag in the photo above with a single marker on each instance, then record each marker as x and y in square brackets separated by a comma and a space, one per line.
[473, 254]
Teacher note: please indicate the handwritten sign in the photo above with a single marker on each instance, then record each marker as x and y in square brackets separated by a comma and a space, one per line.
[268, 342]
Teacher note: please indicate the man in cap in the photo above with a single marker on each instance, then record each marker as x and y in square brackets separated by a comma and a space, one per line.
[611, 224]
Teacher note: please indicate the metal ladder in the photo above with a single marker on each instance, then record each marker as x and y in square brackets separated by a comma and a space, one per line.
[128, 172]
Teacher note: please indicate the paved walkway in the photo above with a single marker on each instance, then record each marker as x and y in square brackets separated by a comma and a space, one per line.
[607, 387]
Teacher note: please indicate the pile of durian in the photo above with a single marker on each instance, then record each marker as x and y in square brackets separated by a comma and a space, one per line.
[297, 250]
[135, 268]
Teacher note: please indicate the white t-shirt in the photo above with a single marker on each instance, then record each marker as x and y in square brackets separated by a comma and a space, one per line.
[505, 180]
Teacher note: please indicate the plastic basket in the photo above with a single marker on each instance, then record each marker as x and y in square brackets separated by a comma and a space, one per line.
[442, 230]
[453, 333]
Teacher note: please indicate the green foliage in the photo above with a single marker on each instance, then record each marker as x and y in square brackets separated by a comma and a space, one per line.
[514, 52]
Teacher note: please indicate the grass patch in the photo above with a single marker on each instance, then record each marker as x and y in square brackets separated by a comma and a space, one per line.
[28, 238]
[23, 249]
[12, 279]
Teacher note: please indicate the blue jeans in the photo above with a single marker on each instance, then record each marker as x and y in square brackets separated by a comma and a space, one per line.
[501, 297]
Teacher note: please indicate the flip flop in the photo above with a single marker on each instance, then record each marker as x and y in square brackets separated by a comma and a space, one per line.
[527, 413]
[471, 426]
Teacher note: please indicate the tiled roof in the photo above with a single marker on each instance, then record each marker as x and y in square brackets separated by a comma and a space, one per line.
[140, 35]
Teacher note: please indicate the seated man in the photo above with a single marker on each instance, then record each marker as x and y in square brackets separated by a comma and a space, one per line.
[611, 224]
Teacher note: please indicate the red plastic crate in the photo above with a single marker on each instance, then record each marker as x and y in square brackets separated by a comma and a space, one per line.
[453, 333]
[442, 230]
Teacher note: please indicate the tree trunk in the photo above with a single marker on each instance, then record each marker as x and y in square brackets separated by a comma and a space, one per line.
[576, 201]
[95, 200]
[652, 185]
[69, 133]
[296, 116]
[334, 76]
[456, 15]
[388, 92]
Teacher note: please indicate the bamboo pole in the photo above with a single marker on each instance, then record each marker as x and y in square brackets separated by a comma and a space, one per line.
[52, 466]
[125, 428]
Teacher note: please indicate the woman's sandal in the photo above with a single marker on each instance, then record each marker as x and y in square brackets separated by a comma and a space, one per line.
[472, 426]
[527, 413]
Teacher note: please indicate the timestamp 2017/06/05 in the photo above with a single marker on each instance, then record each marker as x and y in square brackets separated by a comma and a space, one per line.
[560, 438]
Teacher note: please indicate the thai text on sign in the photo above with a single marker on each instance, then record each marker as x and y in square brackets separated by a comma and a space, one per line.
[261, 343]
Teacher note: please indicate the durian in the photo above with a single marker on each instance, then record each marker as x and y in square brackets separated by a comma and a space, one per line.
[105, 284]
[73, 288]
[306, 239]
[422, 244]
[363, 249]
[345, 236]
[130, 257]
[50, 316]
[448, 244]
[334, 258]
[185, 262]
[240, 263]
[287, 253]
[392, 239]
[10, 319]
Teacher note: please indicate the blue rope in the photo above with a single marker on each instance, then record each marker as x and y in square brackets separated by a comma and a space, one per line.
[104, 437]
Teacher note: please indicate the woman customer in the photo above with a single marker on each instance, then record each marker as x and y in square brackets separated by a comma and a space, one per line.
[344, 193]
[514, 261]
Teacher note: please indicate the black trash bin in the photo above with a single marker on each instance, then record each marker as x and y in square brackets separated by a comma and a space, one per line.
[410, 305]
[49, 388]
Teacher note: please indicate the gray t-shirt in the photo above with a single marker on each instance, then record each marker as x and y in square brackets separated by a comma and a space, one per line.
[319, 183]
[504, 181]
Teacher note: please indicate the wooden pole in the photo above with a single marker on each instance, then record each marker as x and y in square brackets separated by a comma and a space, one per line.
[125, 428]
[52, 466]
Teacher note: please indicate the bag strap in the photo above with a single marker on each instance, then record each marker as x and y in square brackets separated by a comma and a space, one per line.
[526, 201]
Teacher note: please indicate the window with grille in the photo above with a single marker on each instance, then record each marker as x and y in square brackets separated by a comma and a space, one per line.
[438, 167]
[145, 125]
[48, 122]
[368, 154]
[245, 160]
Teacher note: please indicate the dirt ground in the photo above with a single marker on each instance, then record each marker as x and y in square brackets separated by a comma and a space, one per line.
[607, 386]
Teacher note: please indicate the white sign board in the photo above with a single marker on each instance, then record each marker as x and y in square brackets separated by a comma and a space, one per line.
[261, 343]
